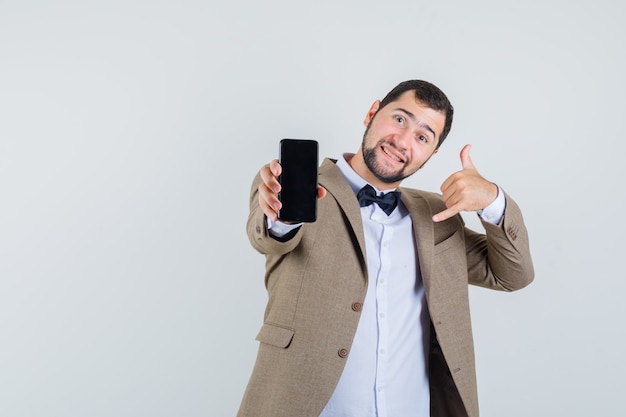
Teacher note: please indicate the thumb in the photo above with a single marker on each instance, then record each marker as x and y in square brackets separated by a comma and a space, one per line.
[466, 161]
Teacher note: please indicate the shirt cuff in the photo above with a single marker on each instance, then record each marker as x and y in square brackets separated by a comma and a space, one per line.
[280, 229]
[494, 212]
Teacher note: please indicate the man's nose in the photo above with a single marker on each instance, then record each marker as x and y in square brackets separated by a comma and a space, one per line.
[404, 138]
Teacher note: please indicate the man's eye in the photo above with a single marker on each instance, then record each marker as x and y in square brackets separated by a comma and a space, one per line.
[399, 119]
[423, 139]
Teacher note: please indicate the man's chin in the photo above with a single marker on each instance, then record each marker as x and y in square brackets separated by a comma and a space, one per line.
[383, 169]
[390, 177]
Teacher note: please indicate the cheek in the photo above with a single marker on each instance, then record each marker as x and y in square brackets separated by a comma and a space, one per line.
[373, 136]
[421, 154]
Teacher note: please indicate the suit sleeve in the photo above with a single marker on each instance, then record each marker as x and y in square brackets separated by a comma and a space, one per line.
[501, 258]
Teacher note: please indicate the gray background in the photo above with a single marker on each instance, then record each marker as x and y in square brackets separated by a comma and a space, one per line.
[129, 134]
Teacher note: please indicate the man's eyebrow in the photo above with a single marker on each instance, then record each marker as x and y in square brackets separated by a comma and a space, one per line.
[417, 122]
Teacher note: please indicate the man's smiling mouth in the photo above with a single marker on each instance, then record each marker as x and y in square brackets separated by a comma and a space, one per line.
[392, 155]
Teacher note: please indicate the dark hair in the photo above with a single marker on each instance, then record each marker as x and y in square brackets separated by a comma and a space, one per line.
[428, 94]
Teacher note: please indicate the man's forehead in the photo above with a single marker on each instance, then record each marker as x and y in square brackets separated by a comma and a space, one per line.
[412, 105]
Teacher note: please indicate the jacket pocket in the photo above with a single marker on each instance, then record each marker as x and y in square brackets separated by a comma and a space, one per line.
[449, 242]
[275, 335]
[450, 258]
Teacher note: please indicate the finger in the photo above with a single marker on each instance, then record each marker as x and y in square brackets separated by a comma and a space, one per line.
[321, 192]
[466, 161]
[453, 185]
[446, 214]
[448, 183]
[275, 167]
[269, 202]
[451, 197]
[269, 177]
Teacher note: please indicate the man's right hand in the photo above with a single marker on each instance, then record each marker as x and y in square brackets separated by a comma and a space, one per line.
[270, 187]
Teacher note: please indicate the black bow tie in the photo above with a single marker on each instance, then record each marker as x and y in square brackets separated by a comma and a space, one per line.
[387, 202]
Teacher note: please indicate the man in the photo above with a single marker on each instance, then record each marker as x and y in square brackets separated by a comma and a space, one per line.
[368, 311]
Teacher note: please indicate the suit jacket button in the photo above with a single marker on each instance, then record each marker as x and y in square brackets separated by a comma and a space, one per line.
[357, 306]
[343, 353]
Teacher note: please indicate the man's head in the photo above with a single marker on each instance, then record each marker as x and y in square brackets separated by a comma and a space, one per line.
[430, 95]
[402, 133]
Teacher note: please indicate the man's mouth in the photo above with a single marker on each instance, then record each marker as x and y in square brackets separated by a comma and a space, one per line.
[392, 155]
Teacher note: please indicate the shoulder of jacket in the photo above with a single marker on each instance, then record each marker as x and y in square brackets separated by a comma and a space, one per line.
[413, 192]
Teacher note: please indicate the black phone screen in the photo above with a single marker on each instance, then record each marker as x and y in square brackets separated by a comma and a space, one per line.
[298, 179]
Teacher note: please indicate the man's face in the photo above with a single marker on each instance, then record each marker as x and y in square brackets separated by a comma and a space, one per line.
[400, 138]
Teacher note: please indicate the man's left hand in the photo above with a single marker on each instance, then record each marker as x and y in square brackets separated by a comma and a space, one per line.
[465, 190]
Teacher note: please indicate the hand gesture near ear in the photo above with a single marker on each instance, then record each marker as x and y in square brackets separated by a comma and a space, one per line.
[465, 190]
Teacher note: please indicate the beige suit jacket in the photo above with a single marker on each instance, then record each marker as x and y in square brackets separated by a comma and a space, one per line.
[316, 283]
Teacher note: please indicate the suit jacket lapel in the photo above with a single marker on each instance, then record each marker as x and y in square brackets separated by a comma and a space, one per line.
[424, 234]
[331, 178]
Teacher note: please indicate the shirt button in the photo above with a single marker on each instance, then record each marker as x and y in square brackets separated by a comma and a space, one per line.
[343, 352]
[357, 306]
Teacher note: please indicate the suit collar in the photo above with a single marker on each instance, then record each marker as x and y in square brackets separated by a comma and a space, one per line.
[331, 178]
[423, 230]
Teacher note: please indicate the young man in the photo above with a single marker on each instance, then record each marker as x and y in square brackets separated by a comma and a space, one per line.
[368, 311]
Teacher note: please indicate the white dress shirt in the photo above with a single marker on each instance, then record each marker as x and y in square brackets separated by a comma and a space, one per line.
[386, 372]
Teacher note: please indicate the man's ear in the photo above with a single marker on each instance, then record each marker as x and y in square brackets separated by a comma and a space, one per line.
[371, 112]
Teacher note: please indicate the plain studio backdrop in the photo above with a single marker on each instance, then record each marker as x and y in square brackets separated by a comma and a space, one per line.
[130, 132]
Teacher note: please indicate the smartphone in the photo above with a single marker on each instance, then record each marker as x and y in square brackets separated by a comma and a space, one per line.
[298, 180]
